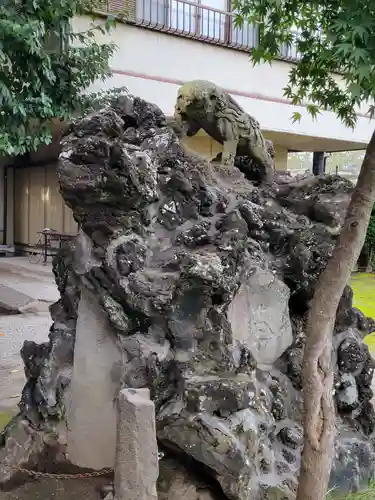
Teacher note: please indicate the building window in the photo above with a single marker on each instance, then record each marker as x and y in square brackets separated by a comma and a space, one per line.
[245, 36]
[290, 52]
[214, 20]
[153, 12]
[184, 16]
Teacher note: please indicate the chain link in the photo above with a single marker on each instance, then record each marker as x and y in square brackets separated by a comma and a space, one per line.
[81, 475]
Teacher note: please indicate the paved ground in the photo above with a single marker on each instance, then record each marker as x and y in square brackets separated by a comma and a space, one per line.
[14, 331]
[37, 281]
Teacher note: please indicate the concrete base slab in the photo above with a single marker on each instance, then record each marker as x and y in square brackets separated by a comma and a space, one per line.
[14, 302]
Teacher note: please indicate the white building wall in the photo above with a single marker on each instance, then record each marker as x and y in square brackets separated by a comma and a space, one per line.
[153, 64]
[281, 157]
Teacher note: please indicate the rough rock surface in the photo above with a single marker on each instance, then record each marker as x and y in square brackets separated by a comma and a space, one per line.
[181, 250]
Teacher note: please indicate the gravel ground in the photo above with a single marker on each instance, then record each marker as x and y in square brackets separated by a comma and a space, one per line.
[52, 489]
[38, 282]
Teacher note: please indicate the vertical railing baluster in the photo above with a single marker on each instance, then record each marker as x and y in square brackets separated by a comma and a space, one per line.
[165, 13]
[183, 16]
[255, 36]
[228, 29]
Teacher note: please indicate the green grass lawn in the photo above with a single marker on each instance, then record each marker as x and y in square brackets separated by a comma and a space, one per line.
[5, 417]
[363, 495]
[364, 299]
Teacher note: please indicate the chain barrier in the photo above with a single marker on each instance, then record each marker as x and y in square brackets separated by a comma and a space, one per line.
[79, 475]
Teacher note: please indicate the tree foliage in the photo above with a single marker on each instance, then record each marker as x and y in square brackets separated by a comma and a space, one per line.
[334, 36]
[45, 69]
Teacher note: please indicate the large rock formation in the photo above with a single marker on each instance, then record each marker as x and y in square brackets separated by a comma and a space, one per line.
[202, 279]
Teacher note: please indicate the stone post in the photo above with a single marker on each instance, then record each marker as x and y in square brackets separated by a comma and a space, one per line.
[137, 467]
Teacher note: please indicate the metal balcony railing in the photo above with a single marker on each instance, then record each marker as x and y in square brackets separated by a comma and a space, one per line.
[193, 20]
[289, 53]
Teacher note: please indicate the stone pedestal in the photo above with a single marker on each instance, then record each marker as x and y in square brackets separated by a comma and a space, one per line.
[137, 467]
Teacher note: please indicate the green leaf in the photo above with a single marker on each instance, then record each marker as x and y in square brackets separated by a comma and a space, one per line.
[360, 32]
[343, 49]
[296, 117]
[355, 90]
[371, 112]
[313, 110]
[364, 71]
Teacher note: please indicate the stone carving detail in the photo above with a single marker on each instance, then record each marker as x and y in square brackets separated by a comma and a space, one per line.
[259, 317]
[177, 252]
[204, 105]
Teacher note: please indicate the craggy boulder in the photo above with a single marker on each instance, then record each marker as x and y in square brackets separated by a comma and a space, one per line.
[190, 280]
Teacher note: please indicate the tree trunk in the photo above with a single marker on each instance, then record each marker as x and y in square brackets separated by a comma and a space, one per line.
[319, 407]
[369, 260]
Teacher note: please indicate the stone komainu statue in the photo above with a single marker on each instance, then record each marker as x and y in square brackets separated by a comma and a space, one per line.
[204, 105]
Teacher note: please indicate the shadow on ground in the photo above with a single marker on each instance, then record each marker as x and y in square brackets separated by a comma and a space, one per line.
[52, 489]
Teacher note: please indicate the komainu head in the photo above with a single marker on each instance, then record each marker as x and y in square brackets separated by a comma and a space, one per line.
[198, 99]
